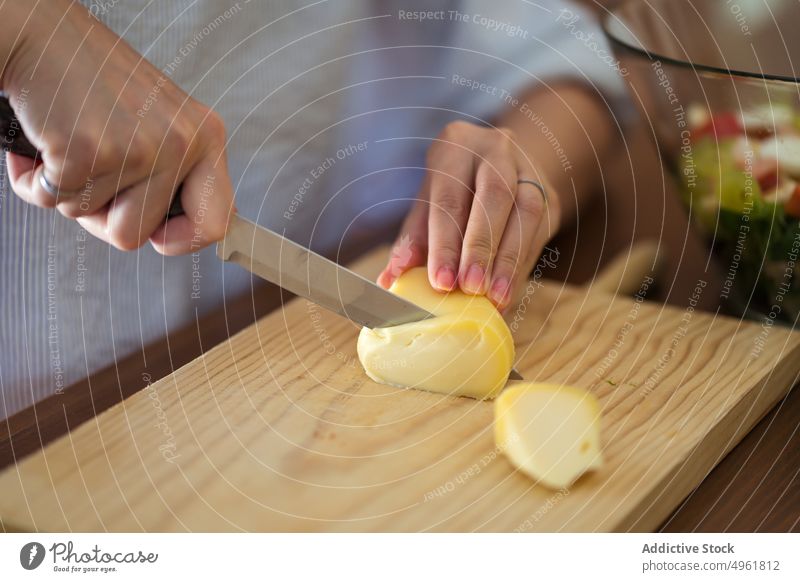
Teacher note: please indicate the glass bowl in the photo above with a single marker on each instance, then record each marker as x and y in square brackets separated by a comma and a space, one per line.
[717, 82]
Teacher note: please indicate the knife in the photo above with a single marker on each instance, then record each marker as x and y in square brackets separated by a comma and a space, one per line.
[277, 259]
[303, 272]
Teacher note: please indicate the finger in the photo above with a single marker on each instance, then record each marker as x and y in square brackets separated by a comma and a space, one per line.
[23, 172]
[108, 177]
[207, 200]
[68, 165]
[548, 227]
[96, 193]
[75, 164]
[138, 212]
[495, 185]
[450, 179]
[517, 244]
[96, 224]
[127, 222]
[411, 248]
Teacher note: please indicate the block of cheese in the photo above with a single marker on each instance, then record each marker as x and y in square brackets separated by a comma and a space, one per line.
[465, 350]
[549, 432]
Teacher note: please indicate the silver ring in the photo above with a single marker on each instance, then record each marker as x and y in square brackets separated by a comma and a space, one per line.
[537, 184]
[52, 189]
[49, 187]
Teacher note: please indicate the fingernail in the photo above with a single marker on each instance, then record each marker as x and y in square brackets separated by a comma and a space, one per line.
[474, 281]
[445, 278]
[499, 291]
[385, 279]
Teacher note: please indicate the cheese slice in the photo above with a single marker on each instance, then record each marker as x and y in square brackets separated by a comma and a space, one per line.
[549, 432]
[465, 350]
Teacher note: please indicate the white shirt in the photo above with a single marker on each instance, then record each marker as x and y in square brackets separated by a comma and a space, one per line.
[329, 108]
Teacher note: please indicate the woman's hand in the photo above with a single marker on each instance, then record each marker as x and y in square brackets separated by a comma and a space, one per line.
[117, 136]
[477, 226]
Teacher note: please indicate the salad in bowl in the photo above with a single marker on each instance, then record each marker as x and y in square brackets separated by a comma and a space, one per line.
[741, 184]
[721, 92]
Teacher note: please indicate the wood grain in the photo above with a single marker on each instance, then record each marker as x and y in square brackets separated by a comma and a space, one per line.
[279, 429]
[32, 428]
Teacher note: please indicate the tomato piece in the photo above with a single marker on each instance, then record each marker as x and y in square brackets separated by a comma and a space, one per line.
[720, 125]
[766, 174]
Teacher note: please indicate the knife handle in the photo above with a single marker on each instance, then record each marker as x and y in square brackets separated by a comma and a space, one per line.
[15, 141]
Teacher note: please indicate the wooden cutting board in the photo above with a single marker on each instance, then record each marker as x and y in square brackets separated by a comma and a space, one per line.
[280, 429]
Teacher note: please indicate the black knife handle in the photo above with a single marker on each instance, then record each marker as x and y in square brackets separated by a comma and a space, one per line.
[15, 141]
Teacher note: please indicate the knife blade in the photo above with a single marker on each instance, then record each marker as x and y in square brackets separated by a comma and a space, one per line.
[303, 272]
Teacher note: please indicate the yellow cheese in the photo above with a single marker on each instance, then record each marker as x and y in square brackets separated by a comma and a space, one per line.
[549, 432]
[466, 350]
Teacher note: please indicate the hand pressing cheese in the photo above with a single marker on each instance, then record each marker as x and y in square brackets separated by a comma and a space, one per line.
[466, 350]
[549, 432]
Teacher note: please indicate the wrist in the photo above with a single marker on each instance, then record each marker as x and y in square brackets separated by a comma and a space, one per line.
[16, 16]
[35, 24]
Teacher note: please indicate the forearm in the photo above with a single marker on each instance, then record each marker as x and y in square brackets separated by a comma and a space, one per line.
[565, 132]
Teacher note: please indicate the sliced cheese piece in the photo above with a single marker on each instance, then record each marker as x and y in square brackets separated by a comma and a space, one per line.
[549, 432]
[465, 350]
